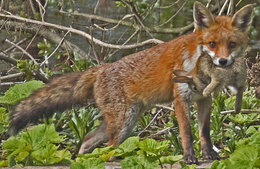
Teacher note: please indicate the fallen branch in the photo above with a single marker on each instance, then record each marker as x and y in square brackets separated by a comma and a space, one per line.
[244, 111]
[15, 75]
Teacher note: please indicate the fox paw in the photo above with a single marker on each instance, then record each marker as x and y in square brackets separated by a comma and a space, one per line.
[190, 159]
[206, 93]
[211, 155]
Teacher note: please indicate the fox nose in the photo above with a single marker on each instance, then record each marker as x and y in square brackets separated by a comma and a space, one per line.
[222, 61]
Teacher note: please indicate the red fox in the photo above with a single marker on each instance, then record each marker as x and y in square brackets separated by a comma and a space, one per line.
[124, 89]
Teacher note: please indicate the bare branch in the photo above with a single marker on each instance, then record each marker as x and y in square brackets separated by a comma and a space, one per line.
[151, 121]
[42, 74]
[164, 107]
[55, 50]
[223, 7]
[46, 33]
[244, 111]
[173, 16]
[10, 83]
[81, 33]
[137, 16]
[135, 26]
[15, 75]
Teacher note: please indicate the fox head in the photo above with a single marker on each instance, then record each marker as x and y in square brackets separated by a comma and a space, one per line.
[223, 38]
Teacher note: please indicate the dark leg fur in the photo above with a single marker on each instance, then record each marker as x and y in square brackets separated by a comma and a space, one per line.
[239, 99]
[94, 139]
[204, 110]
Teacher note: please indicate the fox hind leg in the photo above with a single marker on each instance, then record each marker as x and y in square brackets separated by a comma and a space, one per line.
[94, 139]
[125, 123]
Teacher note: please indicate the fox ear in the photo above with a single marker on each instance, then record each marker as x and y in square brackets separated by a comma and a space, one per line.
[182, 79]
[242, 19]
[179, 72]
[203, 18]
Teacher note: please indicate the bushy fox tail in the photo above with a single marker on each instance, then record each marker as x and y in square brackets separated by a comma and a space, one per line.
[58, 95]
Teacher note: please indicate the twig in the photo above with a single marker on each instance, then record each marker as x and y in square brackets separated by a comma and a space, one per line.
[163, 131]
[10, 83]
[164, 107]
[119, 22]
[137, 16]
[20, 48]
[151, 121]
[12, 76]
[42, 8]
[12, 47]
[173, 16]
[223, 7]
[30, 56]
[135, 26]
[169, 6]
[61, 41]
[230, 10]
[4, 57]
[46, 33]
[32, 39]
[244, 111]
[126, 41]
[86, 35]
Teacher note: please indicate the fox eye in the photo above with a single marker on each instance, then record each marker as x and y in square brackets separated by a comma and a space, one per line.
[231, 45]
[212, 44]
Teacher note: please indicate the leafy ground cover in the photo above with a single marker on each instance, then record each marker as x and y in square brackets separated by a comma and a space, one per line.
[57, 140]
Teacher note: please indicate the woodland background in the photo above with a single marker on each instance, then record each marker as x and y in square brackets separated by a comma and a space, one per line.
[41, 39]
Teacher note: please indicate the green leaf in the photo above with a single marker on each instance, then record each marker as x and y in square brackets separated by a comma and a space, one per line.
[245, 118]
[4, 163]
[244, 157]
[128, 146]
[139, 162]
[36, 147]
[4, 119]
[77, 165]
[50, 155]
[153, 147]
[170, 159]
[20, 91]
[95, 154]
[91, 163]
[42, 135]
[21, 156]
